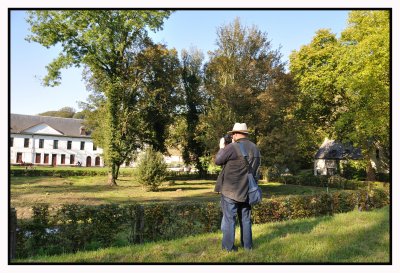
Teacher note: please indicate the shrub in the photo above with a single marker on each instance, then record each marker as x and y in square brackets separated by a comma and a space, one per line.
[343, 201]
[271, 173]
[73, 227]
[151, 170]
[354, 169]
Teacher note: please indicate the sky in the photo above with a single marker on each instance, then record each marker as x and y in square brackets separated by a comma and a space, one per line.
[287, 30]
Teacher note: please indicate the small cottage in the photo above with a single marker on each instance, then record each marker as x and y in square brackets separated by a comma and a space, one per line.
[327, 159]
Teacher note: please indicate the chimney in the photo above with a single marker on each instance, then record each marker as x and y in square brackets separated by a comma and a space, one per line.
[82, 131]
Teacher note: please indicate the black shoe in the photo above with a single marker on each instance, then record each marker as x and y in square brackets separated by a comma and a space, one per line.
[234, 249]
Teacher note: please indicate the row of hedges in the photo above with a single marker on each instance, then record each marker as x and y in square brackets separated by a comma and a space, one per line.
[334, 181]
[98, 172]
[58, 172]
[71, 227]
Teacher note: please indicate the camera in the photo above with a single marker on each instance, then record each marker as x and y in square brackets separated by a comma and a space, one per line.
[228, 139]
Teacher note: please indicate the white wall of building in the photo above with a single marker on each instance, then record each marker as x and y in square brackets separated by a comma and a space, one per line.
[29, 153]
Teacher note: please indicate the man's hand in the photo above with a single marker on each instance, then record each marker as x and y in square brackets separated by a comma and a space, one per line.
[222, 143]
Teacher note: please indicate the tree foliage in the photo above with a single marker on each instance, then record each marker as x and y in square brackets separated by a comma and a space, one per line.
[65, 112]
[151, 169]
[157, 95]
[246, 82]
[194, 100]
[106, 43]
[366, 63]
[344, 84]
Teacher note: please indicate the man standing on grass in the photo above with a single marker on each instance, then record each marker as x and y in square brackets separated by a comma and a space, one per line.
[233, 185]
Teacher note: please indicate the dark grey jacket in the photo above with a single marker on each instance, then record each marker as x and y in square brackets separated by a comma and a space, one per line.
[232, 181]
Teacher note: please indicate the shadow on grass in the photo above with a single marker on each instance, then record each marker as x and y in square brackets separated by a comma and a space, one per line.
[358, 245]
[181, 188]
[284, 190]
[356, 250]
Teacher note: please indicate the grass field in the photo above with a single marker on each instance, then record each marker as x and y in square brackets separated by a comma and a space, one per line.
[355, 237]
[29, 191]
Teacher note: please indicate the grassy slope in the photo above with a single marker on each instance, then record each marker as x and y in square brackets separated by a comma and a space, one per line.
[355, 237]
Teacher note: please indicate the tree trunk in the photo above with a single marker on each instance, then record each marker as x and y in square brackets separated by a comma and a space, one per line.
[112, 179]
[370, 172]
[112, 116]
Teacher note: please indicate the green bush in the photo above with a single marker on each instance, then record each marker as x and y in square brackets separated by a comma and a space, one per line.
[334, 181]
[271, 173]
[60, 172]
[151, 170]
[354, 170]
[74, 227]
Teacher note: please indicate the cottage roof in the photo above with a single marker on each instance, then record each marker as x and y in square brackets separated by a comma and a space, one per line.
[332, 149]
[67, 126]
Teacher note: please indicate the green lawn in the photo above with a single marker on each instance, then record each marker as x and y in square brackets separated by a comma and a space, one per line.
[355, 237]
[29, 191]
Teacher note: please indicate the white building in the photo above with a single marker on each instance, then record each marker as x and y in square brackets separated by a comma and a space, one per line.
[55, 141]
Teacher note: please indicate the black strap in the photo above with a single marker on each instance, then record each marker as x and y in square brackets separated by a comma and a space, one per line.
[245, 155]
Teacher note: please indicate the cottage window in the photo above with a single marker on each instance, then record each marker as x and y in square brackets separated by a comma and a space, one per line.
[94, 147]
[41, 143]
[72, 159]
[69, 145]
[55, 144]
[11, 142]
[62, 159]
[26, 142]
[82, 145]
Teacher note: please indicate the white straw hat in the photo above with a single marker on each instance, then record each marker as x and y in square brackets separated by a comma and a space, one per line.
[239, 128]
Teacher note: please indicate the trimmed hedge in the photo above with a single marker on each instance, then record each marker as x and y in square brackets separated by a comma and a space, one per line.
[59, 172]
[71, 227]
[334, 181]
[99, 172]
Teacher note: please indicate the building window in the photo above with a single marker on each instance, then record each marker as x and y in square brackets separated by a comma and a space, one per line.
[94, 147]
[19, 157]
[26, 142]
[41, 143]
[11, 142]
[46, 159]
[82, 145]
[88, 161]
[69, 144]
[72, 159]
[54, 160]
[55, 144]
[62, 159]
[37, 158]
[97, 161]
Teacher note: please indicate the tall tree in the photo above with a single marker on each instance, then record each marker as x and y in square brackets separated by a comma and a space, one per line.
[315, 70]
[246, 82]
[320, 100]
[158, 94]
[344, 83]
[105, 41]
[194, 102]
[365, 75]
